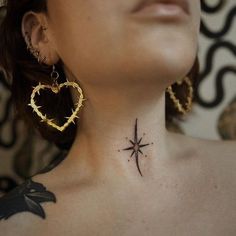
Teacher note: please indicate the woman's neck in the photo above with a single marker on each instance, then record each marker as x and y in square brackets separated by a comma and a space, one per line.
[121, 133]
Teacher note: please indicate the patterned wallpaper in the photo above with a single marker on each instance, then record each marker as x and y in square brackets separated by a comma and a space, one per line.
[23, 152]
[214, 115]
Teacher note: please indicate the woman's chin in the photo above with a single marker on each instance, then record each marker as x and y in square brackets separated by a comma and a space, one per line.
[166, 68]
[177, 64]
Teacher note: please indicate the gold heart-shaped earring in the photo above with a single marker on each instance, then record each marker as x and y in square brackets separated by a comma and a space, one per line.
[55, 88]
[178, 105]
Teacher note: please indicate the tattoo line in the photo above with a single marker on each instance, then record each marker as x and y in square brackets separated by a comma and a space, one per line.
[136, 146]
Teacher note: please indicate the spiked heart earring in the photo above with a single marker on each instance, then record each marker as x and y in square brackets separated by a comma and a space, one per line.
[54, 88]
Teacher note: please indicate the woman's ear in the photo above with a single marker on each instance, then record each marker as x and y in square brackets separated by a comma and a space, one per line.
[36, 34]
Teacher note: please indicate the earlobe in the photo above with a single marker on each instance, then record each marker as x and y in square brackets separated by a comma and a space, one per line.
[34, 30]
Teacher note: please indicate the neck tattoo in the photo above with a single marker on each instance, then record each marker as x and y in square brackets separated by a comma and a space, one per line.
[136, 147]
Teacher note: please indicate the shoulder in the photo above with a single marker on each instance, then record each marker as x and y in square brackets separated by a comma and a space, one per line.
[29, 195]
[36, 202]
[209, 148]
[218, 156]
[222, 152]
[26, 197]
[42, 206]
[23, 205]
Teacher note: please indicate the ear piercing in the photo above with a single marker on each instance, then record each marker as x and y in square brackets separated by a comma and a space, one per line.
[33, 51]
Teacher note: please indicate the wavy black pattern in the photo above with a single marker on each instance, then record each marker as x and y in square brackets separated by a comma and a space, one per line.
[209, 9]
[208, 66]
[227, 26]
[218, 43]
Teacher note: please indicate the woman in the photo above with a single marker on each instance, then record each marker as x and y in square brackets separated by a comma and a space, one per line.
[124, 173]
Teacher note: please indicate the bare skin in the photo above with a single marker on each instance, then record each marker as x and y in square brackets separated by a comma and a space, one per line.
[172, 184]
[191, 193]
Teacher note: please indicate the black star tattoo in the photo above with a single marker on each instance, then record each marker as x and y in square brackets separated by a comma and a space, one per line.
[136, 146]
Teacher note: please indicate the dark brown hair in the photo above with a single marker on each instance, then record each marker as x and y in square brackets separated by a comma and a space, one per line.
[23, 72]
